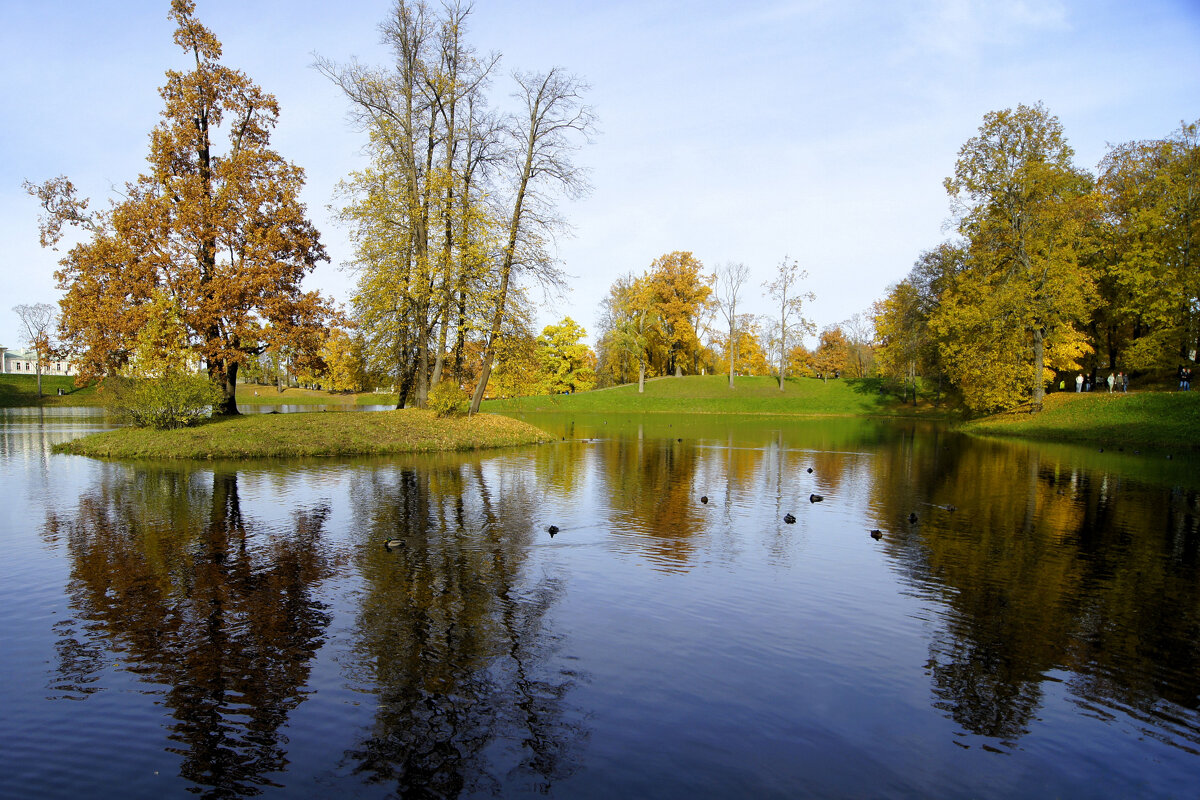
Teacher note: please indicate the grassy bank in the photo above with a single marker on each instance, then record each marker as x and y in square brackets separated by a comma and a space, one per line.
[710, 394]
[1147, 419]
[290, 435]
[21, 391]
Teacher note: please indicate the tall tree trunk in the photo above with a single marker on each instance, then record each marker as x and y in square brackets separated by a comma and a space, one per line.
[224, 373]
[641, 376]
[1039, 359]
[732, 355]
[781, 357]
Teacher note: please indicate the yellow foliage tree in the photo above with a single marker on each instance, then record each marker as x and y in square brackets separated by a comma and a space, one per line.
[1022, 295]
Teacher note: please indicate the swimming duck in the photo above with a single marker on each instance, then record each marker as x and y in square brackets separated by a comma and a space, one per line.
[815, 498]
[877, 535]
[704, 499]
[553, 529]
[788, 518]
[392, 544]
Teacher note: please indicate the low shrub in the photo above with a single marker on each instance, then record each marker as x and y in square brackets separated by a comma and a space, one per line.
[447, 399]
[173, 401]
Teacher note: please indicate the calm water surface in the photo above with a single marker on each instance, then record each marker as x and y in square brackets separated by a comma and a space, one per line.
[240, 629]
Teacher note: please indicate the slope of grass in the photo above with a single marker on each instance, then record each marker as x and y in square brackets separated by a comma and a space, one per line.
[1152, 419]
[21, 390]
[710, 394]
[290, 435]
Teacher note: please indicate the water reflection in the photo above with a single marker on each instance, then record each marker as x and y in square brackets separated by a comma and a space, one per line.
[166, 572]
[1044, 561]
[1046, 567]
[452, 638]
[1015, 595]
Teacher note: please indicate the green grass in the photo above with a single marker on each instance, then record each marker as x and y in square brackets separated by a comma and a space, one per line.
[710, 394]
[21, 390]
[250, 394]
[1150, 419]
[316, 434]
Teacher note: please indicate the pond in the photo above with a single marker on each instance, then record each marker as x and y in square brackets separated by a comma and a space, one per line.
[945, 617]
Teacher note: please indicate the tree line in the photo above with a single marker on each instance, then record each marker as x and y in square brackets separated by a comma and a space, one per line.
[200, 259]
[1053, 268]
[452, 220]
[675, 319]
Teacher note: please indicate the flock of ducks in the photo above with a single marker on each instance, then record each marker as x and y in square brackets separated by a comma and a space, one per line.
[789, 518]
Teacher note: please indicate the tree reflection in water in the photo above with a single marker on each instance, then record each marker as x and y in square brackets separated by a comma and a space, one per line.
[1045, 567]
[218, 612]
[452, 637]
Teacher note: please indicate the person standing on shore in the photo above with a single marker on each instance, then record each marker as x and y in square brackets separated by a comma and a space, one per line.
[1079, 383]
[1111, 380]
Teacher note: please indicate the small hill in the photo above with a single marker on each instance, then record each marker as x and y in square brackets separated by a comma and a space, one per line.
[710, 394]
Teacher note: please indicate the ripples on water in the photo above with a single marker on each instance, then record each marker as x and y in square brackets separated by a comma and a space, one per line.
[241, 630]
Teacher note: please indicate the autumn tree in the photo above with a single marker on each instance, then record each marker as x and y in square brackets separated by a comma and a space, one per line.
[37, 324]
[1150, 242]
[566, 363]
[344, 364]
[731, 278]
[748, 351]
[859, 331]
[790, 323]
[1020, 301]
[832, 355]
[422, 233]
[629, 325]
[677, 291]
[220, 231]
[517, 368]
[456, 210]
[553, 121]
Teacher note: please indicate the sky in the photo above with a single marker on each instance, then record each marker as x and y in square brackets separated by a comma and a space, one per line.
[751, 131]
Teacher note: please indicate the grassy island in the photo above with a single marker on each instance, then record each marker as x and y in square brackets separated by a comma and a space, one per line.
[314, 434]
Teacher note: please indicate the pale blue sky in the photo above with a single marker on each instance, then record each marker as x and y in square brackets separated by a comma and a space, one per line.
[740, 131]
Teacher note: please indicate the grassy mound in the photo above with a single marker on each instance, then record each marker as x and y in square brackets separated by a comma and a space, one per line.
[21, 391]
[290, 435]
[710, 394]
[1152, 419]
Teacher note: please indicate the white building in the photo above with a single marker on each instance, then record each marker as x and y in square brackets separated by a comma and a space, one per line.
[24, 362]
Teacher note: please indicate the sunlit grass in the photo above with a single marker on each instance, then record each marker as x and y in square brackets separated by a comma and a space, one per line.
[21, 391]
[250, 394]
[710, 394]
[1162, 419]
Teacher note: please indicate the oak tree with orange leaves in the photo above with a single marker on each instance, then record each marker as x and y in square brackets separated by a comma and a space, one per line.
[218, 231]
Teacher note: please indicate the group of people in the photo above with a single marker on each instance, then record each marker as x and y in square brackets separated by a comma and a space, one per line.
[1185, 378]
[1118, 381]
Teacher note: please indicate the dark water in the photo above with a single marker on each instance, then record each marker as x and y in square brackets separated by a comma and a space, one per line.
[238, 630]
